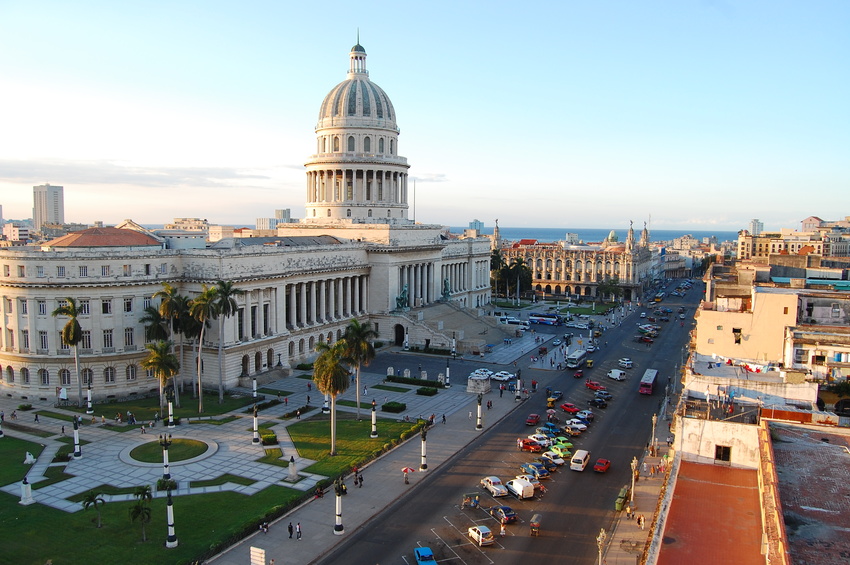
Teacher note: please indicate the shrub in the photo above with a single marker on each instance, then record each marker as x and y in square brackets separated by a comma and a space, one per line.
[378, 344]
[394, 407]
[426, 391]
[413, 381]
[24, 406]
[268, 437]
[304, 366]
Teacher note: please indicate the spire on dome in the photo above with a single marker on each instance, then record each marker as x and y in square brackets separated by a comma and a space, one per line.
[357, 59]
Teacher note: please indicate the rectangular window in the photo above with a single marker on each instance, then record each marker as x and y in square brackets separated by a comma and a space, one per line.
[104, 270]
[129, 337]
[42, 307]
[11, 334]
[62, 345]
[106, 306]
[836, 310]
[146, 302]
[163, 269]
[785, 310]
[147, 268]
[39, 271]
[84, 307]
[5, 270]
[128, 270]
[23, 307]
[85, 339]
[240, 324]
[22, 271]
[60, 271]
[107, 339]
[42, 340]
[25, 339]
[722, 453]
[266, 319]
[128, 304]
[84, 271]
[736, 333]
[253, 321]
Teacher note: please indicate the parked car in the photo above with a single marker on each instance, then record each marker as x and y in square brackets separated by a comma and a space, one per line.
[570, 407]
[535, 469]
[644, 339]
[585, 415]
[542, 439]
[561, 442]
[529, 445]
[603, 394]
[547, 464]
[553, 457]
[578, 374]
[424, 556]
[502, 376]
[494, 486]
[481, 535]
[556, 394]
[573, 430]
[593, 385]
[617, 375]
[643, 314]
[590, 348]
[549, 426]
[556, 343]
[533, 480]
[582, 426]
[561, 450]
[598, 403]
[602, 465]
[625, 363]
[503, 514]
[532, 420]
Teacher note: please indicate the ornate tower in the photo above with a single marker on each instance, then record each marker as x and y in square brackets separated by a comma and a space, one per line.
[356, 175]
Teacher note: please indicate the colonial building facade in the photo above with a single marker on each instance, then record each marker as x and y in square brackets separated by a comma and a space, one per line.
[355, 255]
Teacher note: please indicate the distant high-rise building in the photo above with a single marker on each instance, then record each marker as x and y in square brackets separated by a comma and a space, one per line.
[756, 227]
[284, 215]
[48, 205]
[476, 225]
[267, 223]
[2, 221]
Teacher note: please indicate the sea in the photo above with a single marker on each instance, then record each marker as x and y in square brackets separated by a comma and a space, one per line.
[590, 235]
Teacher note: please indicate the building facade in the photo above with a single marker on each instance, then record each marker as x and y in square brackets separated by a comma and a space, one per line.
[48, 205]
[301, 287]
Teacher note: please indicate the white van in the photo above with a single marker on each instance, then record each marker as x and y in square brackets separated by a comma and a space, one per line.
[580, 460]
[521, 323]
[520, 488]
[617, 375]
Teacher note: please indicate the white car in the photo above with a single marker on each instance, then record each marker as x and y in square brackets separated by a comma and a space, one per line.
[643, 314]
[495, 486]
[578, 424]
[481, 373]
[586, 415]
[481, 535]
[625, 363]
[590, 348]
[531, 479]
[541, 439]
[553, 457]
[502, 376]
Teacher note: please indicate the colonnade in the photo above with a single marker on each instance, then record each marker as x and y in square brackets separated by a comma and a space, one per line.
[360, 186]
[316, 302]
[419, 280]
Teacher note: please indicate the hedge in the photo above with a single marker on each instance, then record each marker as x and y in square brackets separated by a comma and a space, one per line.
[394, 407]
[426, 391]
[413, 381]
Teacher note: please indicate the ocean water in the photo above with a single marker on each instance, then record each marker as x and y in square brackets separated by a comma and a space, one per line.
[588, 235]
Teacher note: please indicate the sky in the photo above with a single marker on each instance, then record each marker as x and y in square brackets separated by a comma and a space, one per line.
[687, 114]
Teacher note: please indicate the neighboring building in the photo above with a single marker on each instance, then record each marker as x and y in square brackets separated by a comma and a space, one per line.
[283, 215]
[476, 225]
[756, 226]
[48, 205]
[266, 223]
[16, 232]
[569, 270]
[301, 287]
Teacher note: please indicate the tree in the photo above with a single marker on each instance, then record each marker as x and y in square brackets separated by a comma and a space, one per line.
[203, 309]
[610, 286]
[141, 510]
[331, 375]
[156, 326]
[359, 349]
[163, 363]
[72, 335]
[497, 266]
[226, 307]
[191, 329]
[94, 499]
[517, 276]
[172, 306]
[181, 323]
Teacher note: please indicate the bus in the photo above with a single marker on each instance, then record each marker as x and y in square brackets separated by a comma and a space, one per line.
[659, 297]
[576, 359]
[647, 382]
[548, 319]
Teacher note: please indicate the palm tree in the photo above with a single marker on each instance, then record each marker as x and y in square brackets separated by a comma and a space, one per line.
[332, 377]
[72, 335]
[141, 511]
[203, 309]
[226, 306]
[163, 363]
[180, 326]
[190, 328]
[170, 303]
[359, 349]
[156, 327]
[94, 499]
[497, 266]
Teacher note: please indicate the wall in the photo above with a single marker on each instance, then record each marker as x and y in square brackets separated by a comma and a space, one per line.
[698, 438]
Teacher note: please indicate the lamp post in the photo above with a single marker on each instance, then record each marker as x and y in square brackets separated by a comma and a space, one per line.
[424, 466]
[479, 425]
[448, 378]
[454, 346]
[518, 385]
[165, 441]
[169, 394]
[634, 472]
[77, 451]
[600, 543]
[339, 529]
[654, 421]
[256, 439]
[89, 409]
[168, 485]
[374, 433]
[254, 388]
[279, 364]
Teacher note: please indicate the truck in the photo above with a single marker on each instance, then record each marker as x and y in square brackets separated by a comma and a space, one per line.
[520, 488]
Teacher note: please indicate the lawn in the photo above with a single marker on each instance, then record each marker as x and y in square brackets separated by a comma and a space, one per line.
[146, 408]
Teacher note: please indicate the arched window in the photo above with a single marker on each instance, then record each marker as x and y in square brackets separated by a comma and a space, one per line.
[25, 376]
[324, 145]
[336, 143]
[367, 144]
[87, 375]
[64, 377]
[109, 375]
[348, 213]
[44, 377]
[10, 374]
[312, 343]
[291, 348]
[330, 337]
[389, 213]
[381, 145]
[369, 213]
[329, 212]
[301, 346]
[351, 143]
[131, 372]
[392, 146]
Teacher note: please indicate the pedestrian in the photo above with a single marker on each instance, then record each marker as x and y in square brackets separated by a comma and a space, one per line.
[470, 414]
[102, 419]
[365, 390]
[444, 418]
[63, 430]
[14, 414]
[298, 414]
[360, 480]
[2, 416]
[502, 530]
[286, 401]
[308, 400]
[645, 468]
[309, 388]
[36, 418]
[501, 391]
[290, 528]
[356, 481]
[628, 511]
[641, 521]
[298, 531]
[143, 429]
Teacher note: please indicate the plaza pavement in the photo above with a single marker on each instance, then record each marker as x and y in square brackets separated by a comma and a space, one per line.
[230, 449]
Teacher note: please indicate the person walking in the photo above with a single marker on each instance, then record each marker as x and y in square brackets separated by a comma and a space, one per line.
[470, 415]
[291, 529]
[298, 531]
[641, 521]
[444, 418]
[360, 480]
[36, 419]
[63, 430]
[298, 414]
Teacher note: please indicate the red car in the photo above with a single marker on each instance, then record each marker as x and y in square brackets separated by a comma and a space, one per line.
[593, 385]
[602, 465]
[578, 374]
[532, 420]
[645, 339]
[570, 407]
[529, 445]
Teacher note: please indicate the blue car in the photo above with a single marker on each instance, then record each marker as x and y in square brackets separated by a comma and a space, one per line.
[535, 470]
[424, 556]
[503, 514]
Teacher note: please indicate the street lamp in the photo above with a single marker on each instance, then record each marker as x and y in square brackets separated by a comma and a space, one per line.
[600, 543]
[479, 425]
[169, 394]
[168, 485]
[254, 388]
[654, 421]
[454, 347]
[338, 527]
[89, 409]
[77, 451]
[448, 378]
[256, 439]
[165, 441]
[634, 473]
[374, 433]
[423, 466]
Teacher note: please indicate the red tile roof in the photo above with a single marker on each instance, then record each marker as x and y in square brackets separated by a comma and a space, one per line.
[104, 237]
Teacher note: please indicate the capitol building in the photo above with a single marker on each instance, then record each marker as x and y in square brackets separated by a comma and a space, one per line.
[355, 254]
